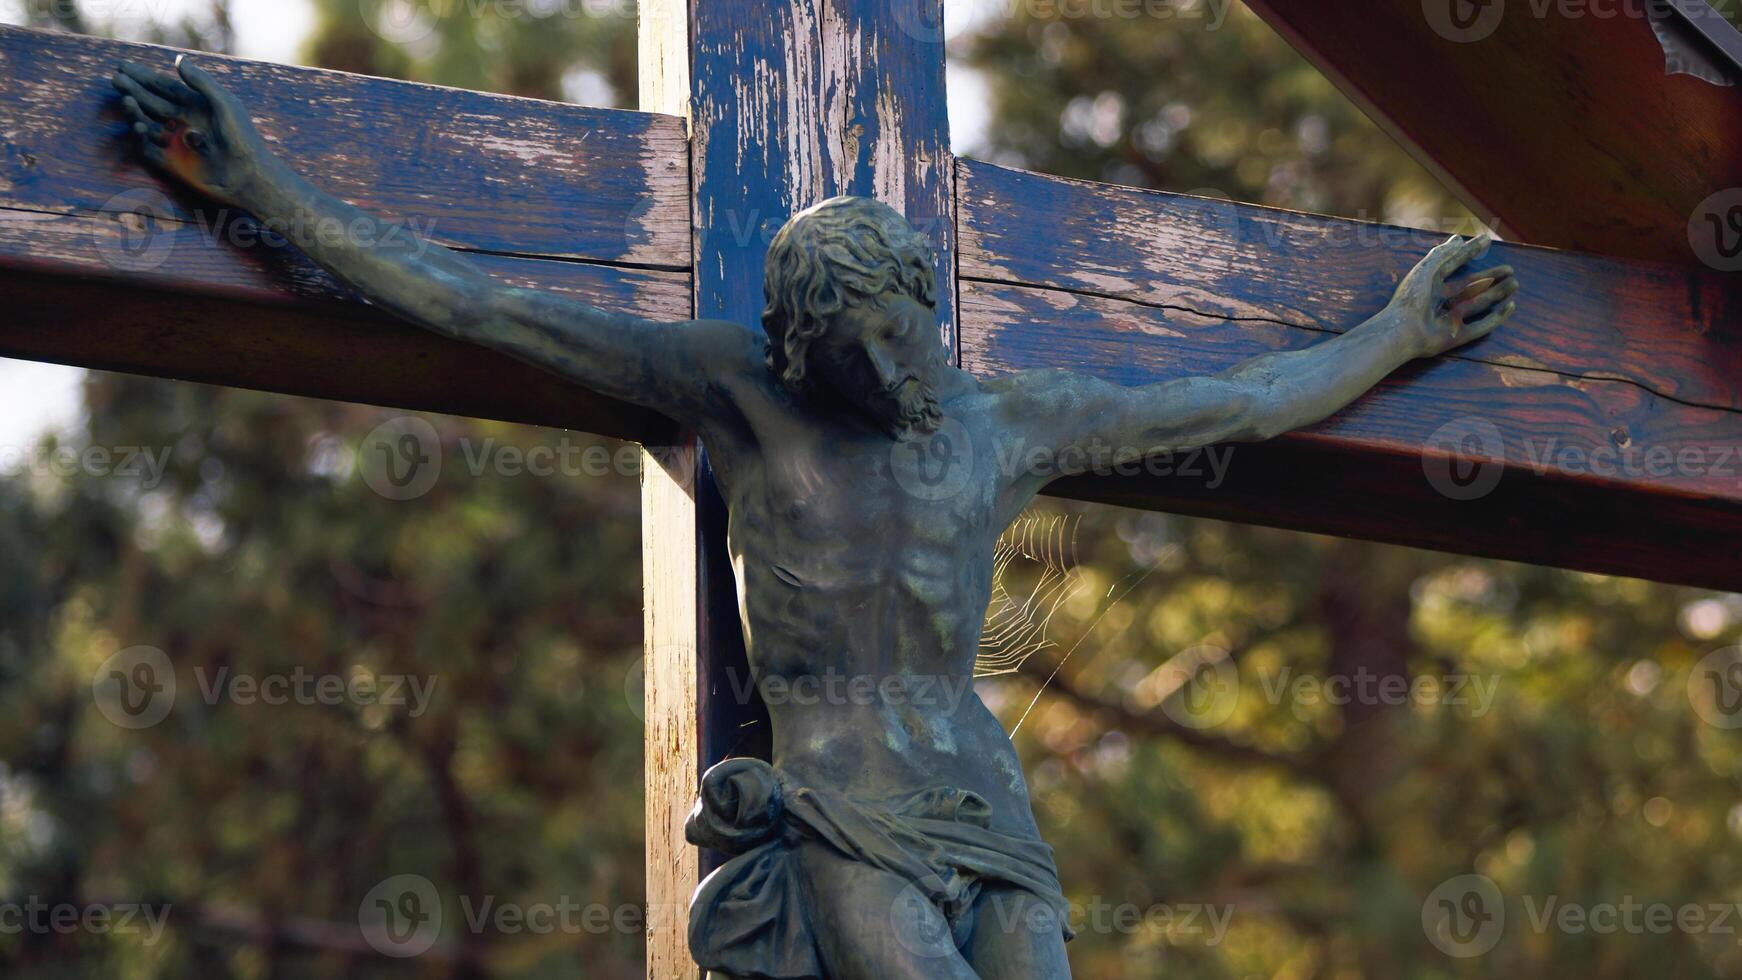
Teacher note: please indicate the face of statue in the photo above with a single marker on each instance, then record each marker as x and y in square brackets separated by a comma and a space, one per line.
[883, 356]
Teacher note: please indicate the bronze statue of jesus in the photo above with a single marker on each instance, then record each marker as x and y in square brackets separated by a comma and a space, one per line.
[892, 836]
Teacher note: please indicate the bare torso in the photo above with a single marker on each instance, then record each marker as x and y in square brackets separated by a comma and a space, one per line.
[864, 568]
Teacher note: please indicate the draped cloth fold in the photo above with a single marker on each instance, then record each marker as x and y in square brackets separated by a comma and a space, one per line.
[749, 918]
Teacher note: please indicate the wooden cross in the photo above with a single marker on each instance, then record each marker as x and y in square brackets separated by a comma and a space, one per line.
[1546, 442]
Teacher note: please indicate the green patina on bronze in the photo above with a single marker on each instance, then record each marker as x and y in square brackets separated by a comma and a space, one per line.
[868, 480]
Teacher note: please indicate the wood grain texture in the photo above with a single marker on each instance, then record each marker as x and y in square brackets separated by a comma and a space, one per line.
[694, 641]
[676, 641]
[790, 102]
[486, 172]
[1614, 392]
[800, 100]
[268, 318]
[593, 203]
[674, 618]
[1564, 127]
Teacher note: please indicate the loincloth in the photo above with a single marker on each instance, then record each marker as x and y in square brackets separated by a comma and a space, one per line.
[750, 918]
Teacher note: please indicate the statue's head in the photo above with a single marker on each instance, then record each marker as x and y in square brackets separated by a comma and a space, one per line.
[852, 306]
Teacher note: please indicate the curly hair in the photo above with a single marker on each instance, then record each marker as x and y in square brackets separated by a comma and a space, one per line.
[844, 250]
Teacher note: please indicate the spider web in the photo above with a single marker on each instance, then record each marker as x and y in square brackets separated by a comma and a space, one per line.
[1018, 624]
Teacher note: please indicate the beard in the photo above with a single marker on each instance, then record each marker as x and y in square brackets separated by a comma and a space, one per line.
[908, 408]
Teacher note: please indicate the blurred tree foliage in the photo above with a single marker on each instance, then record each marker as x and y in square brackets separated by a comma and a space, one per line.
[1568, 764]
[1200, 98]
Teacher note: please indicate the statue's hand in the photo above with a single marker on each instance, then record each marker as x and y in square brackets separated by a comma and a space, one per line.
[193, 128]
[1440, 316]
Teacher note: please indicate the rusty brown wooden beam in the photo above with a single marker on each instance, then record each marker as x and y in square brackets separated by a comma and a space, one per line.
[1555, 118]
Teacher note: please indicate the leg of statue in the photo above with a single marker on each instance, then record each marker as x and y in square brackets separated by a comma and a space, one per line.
[1017, 936]
[872, 925]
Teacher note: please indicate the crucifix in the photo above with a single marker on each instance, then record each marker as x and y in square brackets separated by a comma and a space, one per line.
[865, 494]
[1124, 291]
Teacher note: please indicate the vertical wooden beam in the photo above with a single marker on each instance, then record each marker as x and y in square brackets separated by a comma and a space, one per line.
[796, 101]
[790, 102]
[695, 667]
[673, 627]
[674, 609]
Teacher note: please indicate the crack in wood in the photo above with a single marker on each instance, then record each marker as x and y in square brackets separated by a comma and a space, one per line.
[1333, 331]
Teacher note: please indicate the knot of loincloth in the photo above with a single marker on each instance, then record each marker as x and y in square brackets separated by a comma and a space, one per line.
[750, 917]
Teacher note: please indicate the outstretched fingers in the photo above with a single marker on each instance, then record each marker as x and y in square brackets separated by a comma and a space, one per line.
[166, 86]
[1491, 322]
[148, 128]
[1458, 254]
[219, 97]
[1503, 289]
[151, 105]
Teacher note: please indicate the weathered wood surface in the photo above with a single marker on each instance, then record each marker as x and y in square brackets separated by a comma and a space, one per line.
[327, 350]
[490, 172]
[796, 102]
[1556, 118]
[587, 201]
[790, 103]
[674, 641]
[1608, 363]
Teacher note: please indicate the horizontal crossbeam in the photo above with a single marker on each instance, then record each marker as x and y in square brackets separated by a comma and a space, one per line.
[1554, 117]
[1607, 414]
[1610, 369]
[104, 265]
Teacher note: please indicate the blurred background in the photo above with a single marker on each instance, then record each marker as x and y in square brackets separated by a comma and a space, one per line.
[1565, 736]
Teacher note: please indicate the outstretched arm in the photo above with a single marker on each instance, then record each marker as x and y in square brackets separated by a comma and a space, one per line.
[199, 132]
[1097, 423]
